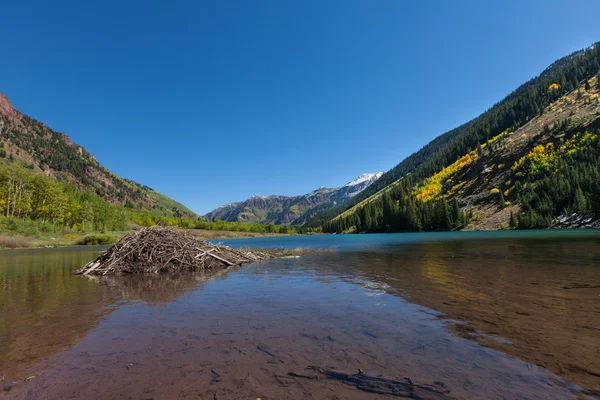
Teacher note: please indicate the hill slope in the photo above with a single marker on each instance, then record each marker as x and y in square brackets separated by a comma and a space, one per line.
[454, 181]
[291, 210]
[44, 151]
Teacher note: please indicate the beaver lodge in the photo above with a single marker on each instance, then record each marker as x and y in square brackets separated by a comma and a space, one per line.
[160, 249]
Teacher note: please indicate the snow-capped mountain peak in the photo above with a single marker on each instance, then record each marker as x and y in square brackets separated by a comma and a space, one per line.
[364, 178]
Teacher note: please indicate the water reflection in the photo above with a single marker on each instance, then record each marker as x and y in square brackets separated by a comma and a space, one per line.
[156, 289]
[242, 336]
[240, 332]
[44, 308]
[534, 299]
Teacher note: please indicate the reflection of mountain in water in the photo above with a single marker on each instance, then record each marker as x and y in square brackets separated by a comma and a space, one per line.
[44, 307]
[537, 293]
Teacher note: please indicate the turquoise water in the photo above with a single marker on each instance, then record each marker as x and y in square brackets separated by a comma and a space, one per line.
[374, 241]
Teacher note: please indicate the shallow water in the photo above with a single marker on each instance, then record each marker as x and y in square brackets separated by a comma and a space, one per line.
[472, 318]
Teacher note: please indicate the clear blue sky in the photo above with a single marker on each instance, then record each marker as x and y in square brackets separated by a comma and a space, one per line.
[213, 102]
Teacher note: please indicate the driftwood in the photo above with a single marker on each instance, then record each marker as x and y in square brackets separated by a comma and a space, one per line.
[381, 385]
[159, 249]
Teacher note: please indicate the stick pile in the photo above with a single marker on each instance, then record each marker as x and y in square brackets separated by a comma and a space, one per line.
[159, 249]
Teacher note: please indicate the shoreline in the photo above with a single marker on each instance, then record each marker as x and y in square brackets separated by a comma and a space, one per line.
[59, 240]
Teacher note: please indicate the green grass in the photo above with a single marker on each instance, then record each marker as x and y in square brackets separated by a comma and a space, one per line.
[17, 233]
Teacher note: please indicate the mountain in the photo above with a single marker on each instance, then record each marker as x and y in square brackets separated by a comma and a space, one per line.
[530, 161]
[27, 144]
[291, 210]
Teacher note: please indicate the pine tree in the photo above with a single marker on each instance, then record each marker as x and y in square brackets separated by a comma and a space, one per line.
[513, 223]
[457, 221]
[502, 202]
[479, 149]
[412, 219]
[389, 212]
[580, 204]
[443, 220]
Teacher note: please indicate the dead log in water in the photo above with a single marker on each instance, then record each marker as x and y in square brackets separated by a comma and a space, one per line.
[160, 249]
[406, 388]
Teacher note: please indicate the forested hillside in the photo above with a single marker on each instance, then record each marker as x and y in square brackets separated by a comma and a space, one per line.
[530, 161]
[45, 151]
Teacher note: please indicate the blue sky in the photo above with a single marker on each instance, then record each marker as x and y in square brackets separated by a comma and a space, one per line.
[213, 102]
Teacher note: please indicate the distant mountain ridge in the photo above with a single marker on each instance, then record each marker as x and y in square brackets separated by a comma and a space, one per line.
[291, 210]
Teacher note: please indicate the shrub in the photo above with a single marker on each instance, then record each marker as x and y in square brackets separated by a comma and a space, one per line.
[12, 225]
[66, 230]
[14, 242]
[93, 240]
[45, 228]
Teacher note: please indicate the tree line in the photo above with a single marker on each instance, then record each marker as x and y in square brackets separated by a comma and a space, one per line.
[399, 211]
[29, 196]
[145, 218]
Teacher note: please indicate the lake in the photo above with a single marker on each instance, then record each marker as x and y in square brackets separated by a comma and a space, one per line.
[471, 315]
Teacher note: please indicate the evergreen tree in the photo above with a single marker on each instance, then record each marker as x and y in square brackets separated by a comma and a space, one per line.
[413, 222]
[479, 149]
[513, 223]
[580, 203]
[443, 215]
[502, 202]
[389, 212]
[456, 217]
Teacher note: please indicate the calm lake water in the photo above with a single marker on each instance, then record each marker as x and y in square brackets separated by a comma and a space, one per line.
[450, 315]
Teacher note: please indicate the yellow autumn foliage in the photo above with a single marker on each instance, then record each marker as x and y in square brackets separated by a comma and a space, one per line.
[546, 157]
[540, 158]
[578, 142]
[553, 87]
[431, 189]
